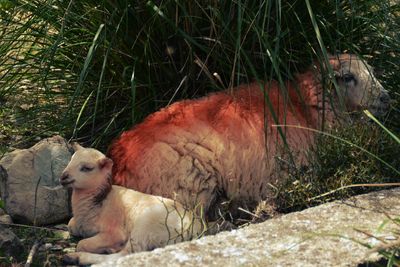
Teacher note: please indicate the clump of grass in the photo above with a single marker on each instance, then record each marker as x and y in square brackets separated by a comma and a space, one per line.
[335, 164]
[28, 237]
[95, 68]
[51, 243]
[389, 250]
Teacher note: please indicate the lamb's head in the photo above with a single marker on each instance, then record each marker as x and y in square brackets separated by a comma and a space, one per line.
[88, 169]
[359, 87]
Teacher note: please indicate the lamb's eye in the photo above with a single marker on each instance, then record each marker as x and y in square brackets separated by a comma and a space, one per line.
[348, 78]
[86, 169]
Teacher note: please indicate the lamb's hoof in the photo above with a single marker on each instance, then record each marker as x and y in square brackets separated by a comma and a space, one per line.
[217, 227]
[71, 258]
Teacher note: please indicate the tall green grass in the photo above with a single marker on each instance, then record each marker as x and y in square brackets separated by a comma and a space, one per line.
[90, 69]
[348, 161]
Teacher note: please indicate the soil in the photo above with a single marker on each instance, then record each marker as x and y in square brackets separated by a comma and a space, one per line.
[53, 242]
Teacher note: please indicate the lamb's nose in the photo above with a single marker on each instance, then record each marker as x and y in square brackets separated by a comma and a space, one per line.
[64, 176]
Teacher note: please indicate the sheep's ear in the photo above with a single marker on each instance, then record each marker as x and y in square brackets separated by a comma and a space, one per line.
[337, 74]
[335, 63]
[76, 146]
[105, 163]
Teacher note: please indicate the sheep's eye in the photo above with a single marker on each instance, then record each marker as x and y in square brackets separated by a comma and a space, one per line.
[86, 169]
[348, 78]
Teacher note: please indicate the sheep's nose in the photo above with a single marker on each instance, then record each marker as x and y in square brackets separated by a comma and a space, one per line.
[384, 97]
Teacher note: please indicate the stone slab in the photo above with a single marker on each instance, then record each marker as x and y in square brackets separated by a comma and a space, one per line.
[326, 235]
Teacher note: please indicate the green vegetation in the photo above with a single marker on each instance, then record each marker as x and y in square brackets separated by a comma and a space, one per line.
[389, 251]
[91, 69]
[50, 238]
[337, 164]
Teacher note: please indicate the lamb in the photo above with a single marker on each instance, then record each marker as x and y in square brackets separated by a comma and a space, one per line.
[113, 219]
[223, 148]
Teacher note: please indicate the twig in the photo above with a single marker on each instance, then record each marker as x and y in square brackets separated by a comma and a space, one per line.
[28, 226]
[32, 253]
[34, 207]
[371, 235]
[386, 246]
[390, 218]
[249, 212]
[353, 185]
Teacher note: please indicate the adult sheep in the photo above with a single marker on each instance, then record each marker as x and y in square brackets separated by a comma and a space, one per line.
[224, 146]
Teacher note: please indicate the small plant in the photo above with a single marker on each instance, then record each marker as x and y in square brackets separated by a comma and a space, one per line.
[6, 260]
[41, 246]
[388, 250]
[337, 164]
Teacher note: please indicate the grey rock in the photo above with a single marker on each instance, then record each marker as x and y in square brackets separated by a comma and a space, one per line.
[327, 235]
[45, 247]
[10, 245]
[26, 173]
[6, 219]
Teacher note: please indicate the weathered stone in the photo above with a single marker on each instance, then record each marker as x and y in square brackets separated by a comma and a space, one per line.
[327, 235]
[29, 182]
[45, 247]
[5, 219]
[10, 245]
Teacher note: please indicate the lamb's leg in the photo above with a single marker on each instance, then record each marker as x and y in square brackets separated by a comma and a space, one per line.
[215, 227]
[104, 242]
[85, 258]
[72, 227]
[197, 187]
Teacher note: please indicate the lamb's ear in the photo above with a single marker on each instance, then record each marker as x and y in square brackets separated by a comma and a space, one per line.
[105, 163]
[76, 146]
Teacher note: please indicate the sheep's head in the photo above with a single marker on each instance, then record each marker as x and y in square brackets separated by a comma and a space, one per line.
[88, 169]
[359, 87]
